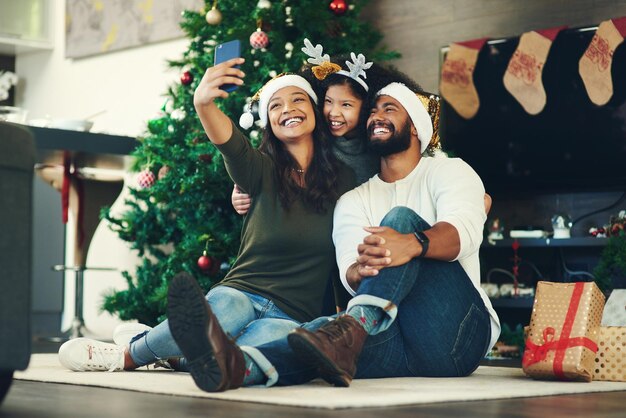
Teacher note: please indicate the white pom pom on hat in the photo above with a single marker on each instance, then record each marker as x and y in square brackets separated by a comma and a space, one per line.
[246, 120]
[266, 93]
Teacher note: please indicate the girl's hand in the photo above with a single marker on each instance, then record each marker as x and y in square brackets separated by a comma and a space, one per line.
[209, 87]
[241, 201]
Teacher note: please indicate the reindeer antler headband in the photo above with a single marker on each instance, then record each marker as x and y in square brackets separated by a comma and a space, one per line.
[323, 67]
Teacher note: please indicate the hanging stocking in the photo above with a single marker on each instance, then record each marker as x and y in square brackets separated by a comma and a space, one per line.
[523, 75]
[457, 77]
[595, 64]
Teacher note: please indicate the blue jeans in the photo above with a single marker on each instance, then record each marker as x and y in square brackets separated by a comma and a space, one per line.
[438, 327]
[249, 318]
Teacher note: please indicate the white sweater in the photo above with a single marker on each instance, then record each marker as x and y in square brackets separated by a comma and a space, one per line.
[439, 190]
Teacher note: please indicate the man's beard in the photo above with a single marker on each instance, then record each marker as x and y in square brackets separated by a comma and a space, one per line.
[399, 141]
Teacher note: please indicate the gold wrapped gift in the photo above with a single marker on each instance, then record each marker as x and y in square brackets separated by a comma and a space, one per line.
[611, 356]
[563, 332]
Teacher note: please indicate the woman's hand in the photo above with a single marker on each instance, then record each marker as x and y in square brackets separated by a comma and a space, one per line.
[241, 201]
[216, 124]
[209, 87]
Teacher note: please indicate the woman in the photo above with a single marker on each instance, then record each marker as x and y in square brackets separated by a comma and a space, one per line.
[286, 255]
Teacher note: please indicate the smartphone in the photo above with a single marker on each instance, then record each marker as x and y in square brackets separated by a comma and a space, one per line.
[224, 52]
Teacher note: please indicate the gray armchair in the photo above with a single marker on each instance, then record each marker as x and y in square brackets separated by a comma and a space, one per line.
[17, 159]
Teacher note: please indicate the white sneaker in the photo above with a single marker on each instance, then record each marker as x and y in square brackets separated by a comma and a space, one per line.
[123, 333]
[86, 355]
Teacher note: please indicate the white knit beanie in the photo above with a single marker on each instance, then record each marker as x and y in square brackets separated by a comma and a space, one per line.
[267, 91]
[414, 107]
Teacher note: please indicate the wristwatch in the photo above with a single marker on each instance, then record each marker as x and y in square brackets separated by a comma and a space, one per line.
[423, 239]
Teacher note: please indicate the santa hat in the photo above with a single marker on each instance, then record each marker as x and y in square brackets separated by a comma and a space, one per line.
[415, 108]
[267, 91]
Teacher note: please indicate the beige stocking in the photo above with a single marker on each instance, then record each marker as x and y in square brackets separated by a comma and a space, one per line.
[522, 77]
[457, 77]
[595, 64]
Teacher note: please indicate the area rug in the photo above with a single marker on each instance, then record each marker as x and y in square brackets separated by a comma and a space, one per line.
[486, 383]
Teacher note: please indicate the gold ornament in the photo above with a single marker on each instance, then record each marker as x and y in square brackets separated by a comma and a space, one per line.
[214, 16]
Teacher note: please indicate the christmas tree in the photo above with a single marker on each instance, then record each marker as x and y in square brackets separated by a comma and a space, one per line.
[180, 217]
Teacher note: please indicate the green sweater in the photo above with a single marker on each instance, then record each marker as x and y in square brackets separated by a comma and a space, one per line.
[285, 256]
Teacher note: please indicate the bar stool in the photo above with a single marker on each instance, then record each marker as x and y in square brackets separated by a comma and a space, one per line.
[77, 327]
[84, 191]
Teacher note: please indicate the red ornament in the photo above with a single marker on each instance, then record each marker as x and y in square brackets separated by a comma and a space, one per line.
[186, 78]
[597, 232]
[146, 179]
[204, 262]
[338, 7]
[259, 39]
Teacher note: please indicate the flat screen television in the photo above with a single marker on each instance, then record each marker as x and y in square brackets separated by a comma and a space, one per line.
[572, 145]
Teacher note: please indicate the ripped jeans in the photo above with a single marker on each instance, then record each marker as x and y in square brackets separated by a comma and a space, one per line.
[250, 318]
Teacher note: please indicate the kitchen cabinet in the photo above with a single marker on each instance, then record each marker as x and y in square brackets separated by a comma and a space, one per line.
[25, 25]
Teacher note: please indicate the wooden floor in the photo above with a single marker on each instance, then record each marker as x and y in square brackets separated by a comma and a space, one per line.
[38, 400]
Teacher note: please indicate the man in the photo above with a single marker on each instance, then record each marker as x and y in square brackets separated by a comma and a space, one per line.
[418, 309]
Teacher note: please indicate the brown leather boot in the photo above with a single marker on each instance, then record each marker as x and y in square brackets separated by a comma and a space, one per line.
[215, 362]
[334, 348]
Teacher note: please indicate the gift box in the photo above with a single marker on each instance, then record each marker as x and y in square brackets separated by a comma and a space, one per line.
[611, 356]
[563, 331]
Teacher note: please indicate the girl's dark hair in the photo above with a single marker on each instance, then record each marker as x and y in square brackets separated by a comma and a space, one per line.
[321, 178]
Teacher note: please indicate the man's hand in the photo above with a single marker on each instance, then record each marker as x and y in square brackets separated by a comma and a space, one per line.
[373, 255]
[398, 248]
[384, 247]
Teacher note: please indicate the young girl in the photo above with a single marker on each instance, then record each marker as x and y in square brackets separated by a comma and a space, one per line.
[286, 254]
